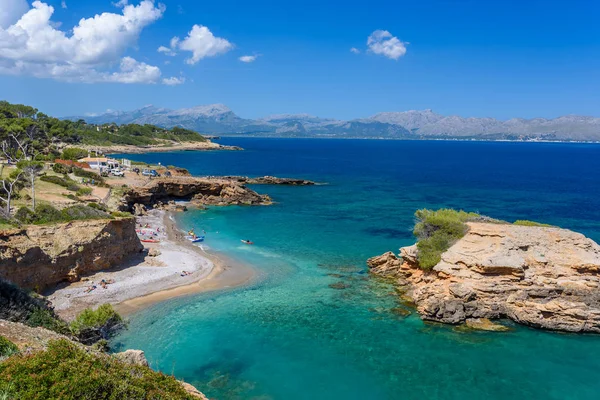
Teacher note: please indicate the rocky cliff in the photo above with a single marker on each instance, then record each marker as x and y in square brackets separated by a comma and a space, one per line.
[203, 191]
[541, 277]
[38, 257]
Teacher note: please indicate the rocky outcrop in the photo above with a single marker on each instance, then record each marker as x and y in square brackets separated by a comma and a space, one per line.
[133, 357]
[270, 180]
[541, 277]
[38, 257]
[27, 338]
[203, 191]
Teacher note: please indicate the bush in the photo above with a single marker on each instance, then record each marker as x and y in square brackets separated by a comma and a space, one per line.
[121, 214]
[84, 191]
[95, 319]
[25, 216]
[64, 182]
[66, 370]
[7, 348]
[62, 168]
[74, 153]
[98, 206]
[45, 213]
[81, 212]
[46, 319]
[437, 231]
[17, 305]
[82, 173]
[524, 222]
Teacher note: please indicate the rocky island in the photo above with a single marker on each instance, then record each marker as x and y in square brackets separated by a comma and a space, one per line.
[539, 276]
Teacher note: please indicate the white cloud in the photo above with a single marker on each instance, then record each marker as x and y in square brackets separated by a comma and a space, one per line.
[248, 59]
[121, 3]
[63, 4]
[167, 51]
[385, 44]
[173, 81]
[33, 45]
[202, 43]
[11, 11]
[355, 50]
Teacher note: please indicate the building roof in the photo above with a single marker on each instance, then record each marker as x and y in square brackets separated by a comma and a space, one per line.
[94, 159]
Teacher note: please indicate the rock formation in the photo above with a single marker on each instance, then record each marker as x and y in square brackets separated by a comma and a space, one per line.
[38, 257]
[541, 277]
[270, 180]
[203, 191]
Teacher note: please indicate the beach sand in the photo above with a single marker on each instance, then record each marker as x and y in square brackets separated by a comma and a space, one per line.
[145, 280]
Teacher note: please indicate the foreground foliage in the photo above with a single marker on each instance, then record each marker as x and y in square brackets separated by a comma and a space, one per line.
[104, 317]
[7, 348]
[436, 231]
[66, 371]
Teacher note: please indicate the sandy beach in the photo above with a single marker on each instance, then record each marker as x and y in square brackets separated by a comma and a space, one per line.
[146, 280]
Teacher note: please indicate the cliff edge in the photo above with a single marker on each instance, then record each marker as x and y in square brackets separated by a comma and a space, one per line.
[38, 257]
[542, 277]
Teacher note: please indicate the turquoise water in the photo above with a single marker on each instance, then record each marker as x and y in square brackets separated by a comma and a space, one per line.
[290, 335]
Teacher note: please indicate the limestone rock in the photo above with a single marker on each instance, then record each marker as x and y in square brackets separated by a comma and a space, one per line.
[139, 209]
[192, 391]
[153, 252]
[207, 191]
[134, 357]
[38, 257]
[537, 276]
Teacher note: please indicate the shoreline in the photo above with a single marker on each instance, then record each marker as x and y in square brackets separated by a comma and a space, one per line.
[143, 281]
[183, 146]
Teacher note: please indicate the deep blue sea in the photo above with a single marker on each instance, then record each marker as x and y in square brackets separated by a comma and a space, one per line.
[289, 335]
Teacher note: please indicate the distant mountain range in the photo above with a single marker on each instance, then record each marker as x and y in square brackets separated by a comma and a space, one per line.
[218, 119]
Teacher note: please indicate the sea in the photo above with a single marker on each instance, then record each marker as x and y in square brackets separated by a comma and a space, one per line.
[315, 325]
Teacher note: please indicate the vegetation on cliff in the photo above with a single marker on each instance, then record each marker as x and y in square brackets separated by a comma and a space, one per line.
[66, 370]
[7, 348]
[17, 305]
[436, 231]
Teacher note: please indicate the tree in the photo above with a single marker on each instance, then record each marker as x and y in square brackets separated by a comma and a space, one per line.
[10, 185]
[31, 169]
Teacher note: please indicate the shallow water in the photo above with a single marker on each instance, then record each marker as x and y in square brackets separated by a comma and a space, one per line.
[316, 326]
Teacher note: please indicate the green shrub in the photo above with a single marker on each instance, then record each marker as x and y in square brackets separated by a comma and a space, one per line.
[46, 319]
[81, 212]
[82, 173]
[45, 214]
[74, 153]
[98, 206]
[57, 180]
[437, 231]
[62, 168]
[84, 191]
[25, 216]
[524, 222]
[7, 348]
[121, 214]
[66, 371]
[95, 319]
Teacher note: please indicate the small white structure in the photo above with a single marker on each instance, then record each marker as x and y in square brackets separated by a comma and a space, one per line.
[100, 163]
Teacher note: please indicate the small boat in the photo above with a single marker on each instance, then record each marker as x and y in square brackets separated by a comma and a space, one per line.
[195, 239]
[150, 241]
[247, 241]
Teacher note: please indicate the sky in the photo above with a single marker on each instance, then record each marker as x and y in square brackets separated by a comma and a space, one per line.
[336, 59]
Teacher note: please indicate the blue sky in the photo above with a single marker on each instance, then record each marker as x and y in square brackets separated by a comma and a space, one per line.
[499, 59]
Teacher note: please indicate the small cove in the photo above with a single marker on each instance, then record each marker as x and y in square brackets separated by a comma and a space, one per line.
[315, 325]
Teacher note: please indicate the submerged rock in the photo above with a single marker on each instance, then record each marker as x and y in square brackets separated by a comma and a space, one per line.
[542, 277]
[484, 324]
[339, 285]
